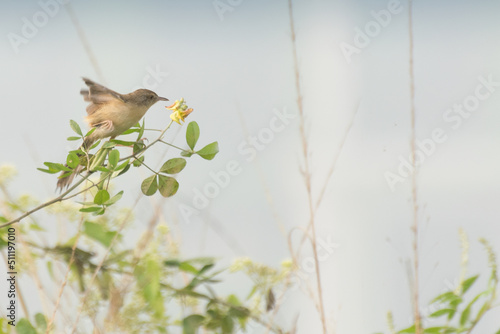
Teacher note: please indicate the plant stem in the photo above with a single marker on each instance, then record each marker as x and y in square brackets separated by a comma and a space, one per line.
[416, 304]
[306, 171]
[52, 201]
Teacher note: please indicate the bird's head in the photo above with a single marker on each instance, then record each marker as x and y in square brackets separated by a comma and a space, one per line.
[145, 97]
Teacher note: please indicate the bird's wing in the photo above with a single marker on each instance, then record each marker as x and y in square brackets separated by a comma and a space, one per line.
[97, 95]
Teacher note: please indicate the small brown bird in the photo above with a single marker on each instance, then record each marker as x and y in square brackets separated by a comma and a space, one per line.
[111, 113]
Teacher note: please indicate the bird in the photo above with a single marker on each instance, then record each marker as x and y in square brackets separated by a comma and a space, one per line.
[111, 114]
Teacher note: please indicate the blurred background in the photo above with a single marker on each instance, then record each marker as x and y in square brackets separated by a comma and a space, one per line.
[233, 63]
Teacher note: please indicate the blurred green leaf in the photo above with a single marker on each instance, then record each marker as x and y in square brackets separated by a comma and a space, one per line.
[47, 171]
[72, 160]
[468, 283]
[99, 233]
[109, 144]
[123, 142]
[122, 165]
[149, 186]
[172, 263]
[127, 167]
[446, 297]
[131, 130]
[74, 125]
[173, 166]
[445, 311]
[101, 197]
[185, 266]
[141, 130]
[41, 321]
[91, 209]
[98, 158]
[192, 134]
[186, 154]
[209, 151]
[227, 325]
[95, 145]
[56, 167]
[91, 131]
[408, 330]
[138, 162]
[114, 157]
[73, 138]
[191, 323]
[114, 199]
[24, 327]
[167, 185]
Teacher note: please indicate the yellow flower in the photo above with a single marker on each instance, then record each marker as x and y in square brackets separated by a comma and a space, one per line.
[179, 111]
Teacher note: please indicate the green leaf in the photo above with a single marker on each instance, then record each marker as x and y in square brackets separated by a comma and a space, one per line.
[227, 325]
[149, 185]
[192, 134]
[99, 233]
[40, 321]
[25, 327]
[435, 330]
[127, 167]
[191, 323]
[72, 160]
[129, 131]
[449, 297]
[98, 158]
[109, 144]
[91, 209]
[56, 167]
[114, 199]
[141, 130]
[173, 166]
[74, 125]
[187, 267]
[172, 263]
[114, 157]
[468, 283]
[48, 171]
[408, 330]
[137, 162]
[95, 145]
[101, 197]
[167, 185]
[123, 142]
[91, 131]
[445, 311]
[186, 154]
[209, 151]
[122, 165]
[73, 138]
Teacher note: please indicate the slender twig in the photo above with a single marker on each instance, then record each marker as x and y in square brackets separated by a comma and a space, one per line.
[66, 275]
[306, 170]
[177, 147]
[41, 206]
[99, 266]
[416, 304]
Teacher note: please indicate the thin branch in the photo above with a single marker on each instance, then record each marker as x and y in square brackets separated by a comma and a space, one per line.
[307, 171]
[416, 304]
[41, 206]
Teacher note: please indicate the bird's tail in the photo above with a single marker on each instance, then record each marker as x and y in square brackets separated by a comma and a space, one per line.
[65, 180]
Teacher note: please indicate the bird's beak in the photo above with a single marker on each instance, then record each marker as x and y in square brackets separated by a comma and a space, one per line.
[162, 98]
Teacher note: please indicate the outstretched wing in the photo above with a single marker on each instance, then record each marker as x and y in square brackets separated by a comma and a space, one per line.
[97, 95]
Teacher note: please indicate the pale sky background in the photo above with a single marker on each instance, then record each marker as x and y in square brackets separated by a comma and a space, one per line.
[235, 72]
